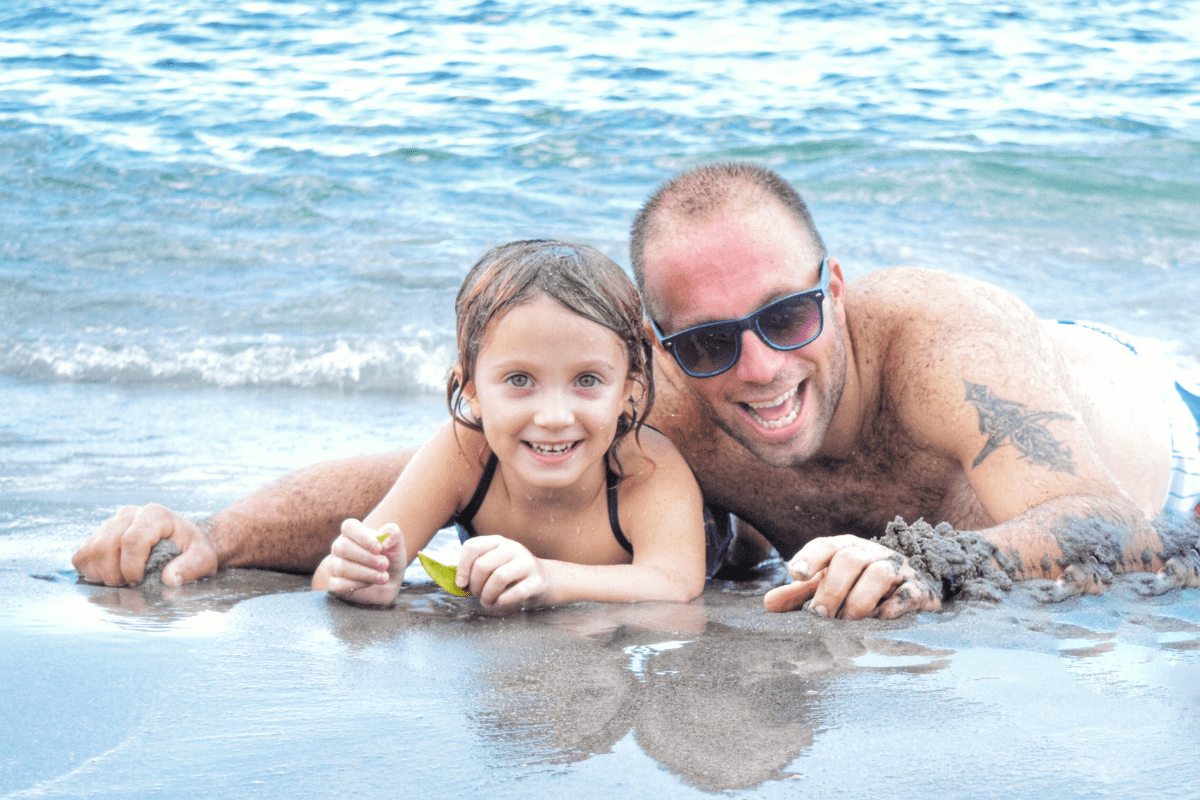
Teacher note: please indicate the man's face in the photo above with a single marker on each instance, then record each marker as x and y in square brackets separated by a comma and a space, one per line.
[778, 405]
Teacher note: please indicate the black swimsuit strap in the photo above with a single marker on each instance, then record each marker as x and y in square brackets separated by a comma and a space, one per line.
[465, 517]
[612, 479]
[469, 511]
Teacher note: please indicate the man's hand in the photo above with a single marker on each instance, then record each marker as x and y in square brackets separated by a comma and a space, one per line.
[500, 572]
[116, 554]
[852, 578]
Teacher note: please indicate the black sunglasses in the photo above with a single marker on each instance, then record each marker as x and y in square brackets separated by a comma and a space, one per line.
[714, 347]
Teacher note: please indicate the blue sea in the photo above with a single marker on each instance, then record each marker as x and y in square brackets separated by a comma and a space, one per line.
[230, 237]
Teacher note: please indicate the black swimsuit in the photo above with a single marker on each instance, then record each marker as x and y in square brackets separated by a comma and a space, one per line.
[462, 520]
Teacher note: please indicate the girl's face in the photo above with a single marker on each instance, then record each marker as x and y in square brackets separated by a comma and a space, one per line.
[549, 387]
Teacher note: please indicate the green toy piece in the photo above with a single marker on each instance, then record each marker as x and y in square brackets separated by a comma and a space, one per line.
[442, 575]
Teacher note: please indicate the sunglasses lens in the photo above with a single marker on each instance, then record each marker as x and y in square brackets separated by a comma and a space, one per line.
[707, 350]
[785, 325]
[792, 322]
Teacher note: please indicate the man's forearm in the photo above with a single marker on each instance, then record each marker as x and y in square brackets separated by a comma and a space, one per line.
[290, 524]
[1100, 535]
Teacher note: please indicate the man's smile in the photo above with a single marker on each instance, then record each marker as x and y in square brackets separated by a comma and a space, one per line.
[776, 412]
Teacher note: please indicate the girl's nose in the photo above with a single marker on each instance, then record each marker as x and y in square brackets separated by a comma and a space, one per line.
[555, 411]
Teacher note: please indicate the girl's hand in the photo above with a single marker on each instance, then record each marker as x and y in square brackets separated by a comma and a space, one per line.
[363, 569]
[501, 572]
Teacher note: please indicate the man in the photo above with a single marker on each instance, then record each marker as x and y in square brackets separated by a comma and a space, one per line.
[816, 411]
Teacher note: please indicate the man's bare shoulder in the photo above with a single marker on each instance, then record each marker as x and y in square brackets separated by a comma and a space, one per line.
[910, 320]
[928, 299]
[928, 337]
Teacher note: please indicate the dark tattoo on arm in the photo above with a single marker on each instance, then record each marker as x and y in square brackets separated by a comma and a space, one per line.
[1002, 420]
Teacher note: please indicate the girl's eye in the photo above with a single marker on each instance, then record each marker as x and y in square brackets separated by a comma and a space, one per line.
[588, 381]
[518, 381]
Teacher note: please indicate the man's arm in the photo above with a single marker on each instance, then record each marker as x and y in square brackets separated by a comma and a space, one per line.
[984, 385]
[287, 525]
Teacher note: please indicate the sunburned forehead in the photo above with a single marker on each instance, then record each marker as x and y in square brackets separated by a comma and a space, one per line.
[726, 264]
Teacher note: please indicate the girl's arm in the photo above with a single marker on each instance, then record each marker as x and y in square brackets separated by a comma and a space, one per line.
[360, 567]
[662, 516]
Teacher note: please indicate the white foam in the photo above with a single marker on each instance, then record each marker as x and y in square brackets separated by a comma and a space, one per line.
[361, 365]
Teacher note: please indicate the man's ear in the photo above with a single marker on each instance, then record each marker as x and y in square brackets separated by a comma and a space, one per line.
[648, 326]
[837, 289]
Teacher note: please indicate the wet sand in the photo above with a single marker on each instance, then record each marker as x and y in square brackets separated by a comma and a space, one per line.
[247, 685]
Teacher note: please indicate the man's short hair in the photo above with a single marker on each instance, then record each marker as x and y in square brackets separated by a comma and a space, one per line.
[701, 192]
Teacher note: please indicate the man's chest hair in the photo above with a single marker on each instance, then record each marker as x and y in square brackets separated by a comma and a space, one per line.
[858, 494]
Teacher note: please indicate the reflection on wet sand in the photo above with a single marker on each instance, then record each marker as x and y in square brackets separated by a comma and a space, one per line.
[723, 707]
[718, 692]
[153, 604]
[726, 710]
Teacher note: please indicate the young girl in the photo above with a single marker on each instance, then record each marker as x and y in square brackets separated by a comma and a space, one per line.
[553, 497]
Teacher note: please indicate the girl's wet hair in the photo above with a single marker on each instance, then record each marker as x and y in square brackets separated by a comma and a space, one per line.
[580, 278]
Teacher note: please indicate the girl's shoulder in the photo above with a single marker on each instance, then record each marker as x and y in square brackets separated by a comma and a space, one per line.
[456, 450]
[647, 457]
[660, 501]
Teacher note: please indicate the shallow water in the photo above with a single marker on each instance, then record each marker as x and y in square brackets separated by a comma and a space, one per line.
[230, 237]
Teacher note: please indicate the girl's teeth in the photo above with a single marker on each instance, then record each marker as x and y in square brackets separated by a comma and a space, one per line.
[551, 449]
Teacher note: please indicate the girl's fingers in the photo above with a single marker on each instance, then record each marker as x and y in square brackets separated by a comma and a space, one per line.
[387, 535]
[506, 574]
[356, 572]
[338, 585]
[351, 548]
[518, 593]
[365, 537]
[487, 579]
[472, 551]
[395, 548]
[488, 566]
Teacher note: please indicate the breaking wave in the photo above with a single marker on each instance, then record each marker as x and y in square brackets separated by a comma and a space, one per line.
[350, 366]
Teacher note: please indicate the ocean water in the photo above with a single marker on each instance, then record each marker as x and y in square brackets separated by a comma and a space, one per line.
[230, 238]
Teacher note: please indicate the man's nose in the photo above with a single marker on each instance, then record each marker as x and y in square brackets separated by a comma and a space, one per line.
[758, 363]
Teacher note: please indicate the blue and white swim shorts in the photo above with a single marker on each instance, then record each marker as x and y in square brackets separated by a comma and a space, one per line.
[1181, 398]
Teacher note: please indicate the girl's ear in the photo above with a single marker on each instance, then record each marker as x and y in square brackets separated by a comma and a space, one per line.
[467, 393]
[472, 399]
[635, 394]
[634, 390]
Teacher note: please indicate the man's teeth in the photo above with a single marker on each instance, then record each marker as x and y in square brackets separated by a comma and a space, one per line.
[778, 401]
[551, 449]
[787, 419]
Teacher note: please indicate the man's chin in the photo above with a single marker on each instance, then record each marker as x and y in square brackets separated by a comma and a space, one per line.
[775, 447]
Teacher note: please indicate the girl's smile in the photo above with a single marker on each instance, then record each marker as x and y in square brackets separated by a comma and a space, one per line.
[549, 388]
